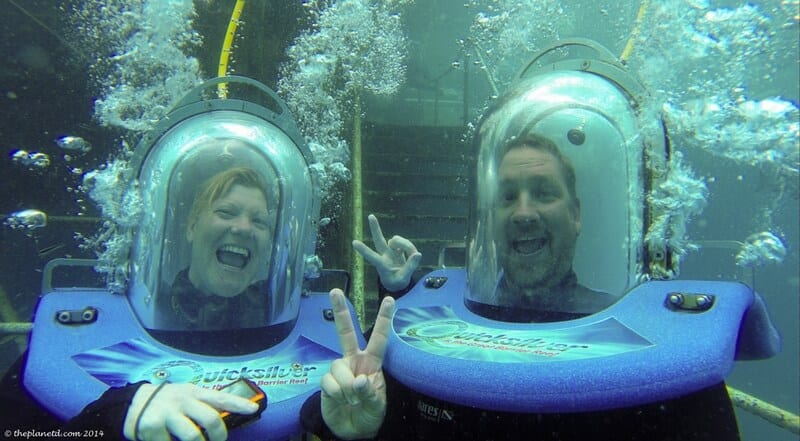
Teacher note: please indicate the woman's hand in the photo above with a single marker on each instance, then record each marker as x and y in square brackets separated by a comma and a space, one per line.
[182, 411]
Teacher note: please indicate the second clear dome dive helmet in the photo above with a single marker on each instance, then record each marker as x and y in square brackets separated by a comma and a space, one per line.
[589, 107]
[230, 216]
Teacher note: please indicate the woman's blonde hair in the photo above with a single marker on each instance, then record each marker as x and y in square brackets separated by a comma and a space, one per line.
[220, 184]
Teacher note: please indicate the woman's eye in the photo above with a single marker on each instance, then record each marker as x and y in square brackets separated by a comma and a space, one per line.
[261, 223]
[225, 213]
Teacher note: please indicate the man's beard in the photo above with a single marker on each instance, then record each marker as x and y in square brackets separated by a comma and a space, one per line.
[530, 280]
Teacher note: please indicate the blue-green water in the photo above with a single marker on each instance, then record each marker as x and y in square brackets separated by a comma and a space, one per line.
[723, 74]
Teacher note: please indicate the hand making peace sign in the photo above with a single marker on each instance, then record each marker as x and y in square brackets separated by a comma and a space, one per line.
[354, 391]
[395, 259]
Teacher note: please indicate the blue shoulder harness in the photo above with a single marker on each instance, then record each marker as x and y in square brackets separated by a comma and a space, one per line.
[645, 348]
[71, 365]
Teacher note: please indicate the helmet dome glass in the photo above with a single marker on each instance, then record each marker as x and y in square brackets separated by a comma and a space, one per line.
[588, 121]
[229, 224]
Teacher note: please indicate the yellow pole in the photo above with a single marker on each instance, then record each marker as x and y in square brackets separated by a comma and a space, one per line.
[626, 53]
[769, 412]
[22, 328]
[358, 215]
[76, 219]
[9, 316]
[225, 54]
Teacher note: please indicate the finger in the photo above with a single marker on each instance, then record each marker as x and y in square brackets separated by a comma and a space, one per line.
[344, 323]
[153, 430]
[221, 400]
[205, 418]
[367, 253]
[380, 331]
[373, 398]
[410, 266]
[404, 245]
[181, 427]
[366, 390]
[343, 375]
[377, 235]
[331, 388]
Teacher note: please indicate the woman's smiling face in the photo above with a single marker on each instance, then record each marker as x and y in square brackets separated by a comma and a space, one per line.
[230, 242]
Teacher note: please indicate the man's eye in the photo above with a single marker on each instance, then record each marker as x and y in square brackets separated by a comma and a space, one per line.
[547, 194]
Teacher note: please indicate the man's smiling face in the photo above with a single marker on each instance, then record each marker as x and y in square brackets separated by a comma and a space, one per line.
[537, 217]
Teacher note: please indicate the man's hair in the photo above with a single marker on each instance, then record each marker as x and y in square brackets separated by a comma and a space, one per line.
[539, 142]
[220, 184]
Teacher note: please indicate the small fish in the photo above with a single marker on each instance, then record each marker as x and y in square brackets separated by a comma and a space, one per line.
[74, 143]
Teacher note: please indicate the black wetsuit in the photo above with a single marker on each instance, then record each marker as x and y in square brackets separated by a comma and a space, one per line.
[182, 308]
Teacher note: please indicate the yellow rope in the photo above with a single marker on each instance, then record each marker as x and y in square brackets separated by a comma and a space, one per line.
[773, 414]
[225, 54]
[626, 53]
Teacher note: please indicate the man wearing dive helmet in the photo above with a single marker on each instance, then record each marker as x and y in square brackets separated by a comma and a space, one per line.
[527, 219]
[360, 400]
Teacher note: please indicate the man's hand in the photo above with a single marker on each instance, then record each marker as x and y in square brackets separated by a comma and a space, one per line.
[395, 260]
[354, 391]
[181, 411]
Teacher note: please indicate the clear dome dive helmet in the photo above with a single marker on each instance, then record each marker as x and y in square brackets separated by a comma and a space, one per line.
[230, 214]
[587, 107]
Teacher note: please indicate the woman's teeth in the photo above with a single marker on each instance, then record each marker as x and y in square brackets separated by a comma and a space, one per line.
[234, 256]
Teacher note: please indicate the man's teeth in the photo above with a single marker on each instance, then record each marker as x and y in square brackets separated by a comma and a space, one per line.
[233, 255]
[528, 246]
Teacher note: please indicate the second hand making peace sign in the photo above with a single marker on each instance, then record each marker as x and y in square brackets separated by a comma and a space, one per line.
[354, 391]
[395, 259]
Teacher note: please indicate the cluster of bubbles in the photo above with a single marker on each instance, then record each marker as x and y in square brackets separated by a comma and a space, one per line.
[29, 219]
[676, 199]
[32, 219]
[139, 61]
[761, 248]
[698, 62]
[353, 46]
[506, 32]
[71, 146]
[748, 132]
[30, 160]
[705, 81]
[120, 204]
